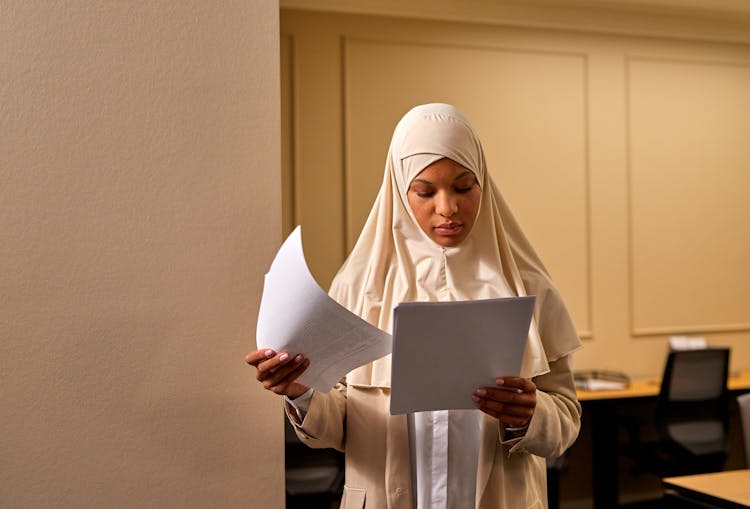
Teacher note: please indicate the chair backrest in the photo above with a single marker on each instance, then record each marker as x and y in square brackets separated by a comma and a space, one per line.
[695, 375]
[692, 408]
[743, 402]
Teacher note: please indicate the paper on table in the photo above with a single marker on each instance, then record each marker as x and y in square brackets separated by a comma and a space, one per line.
[595, 384]
[297, 316]
[443, 351]
[687, 343]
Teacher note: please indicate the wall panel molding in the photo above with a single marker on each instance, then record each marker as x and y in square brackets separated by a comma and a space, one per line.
[290, 137]
[709, 20]
[689, 329]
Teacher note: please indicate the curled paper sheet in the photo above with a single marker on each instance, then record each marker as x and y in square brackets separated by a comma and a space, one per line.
[297, 316]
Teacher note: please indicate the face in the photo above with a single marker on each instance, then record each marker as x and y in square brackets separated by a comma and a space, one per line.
[445, 200]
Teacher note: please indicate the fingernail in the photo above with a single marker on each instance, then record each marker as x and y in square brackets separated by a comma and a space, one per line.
[268, 353]
[475, 398]
[499, 381]
[481, 392]
[298, 358]
[284, 356]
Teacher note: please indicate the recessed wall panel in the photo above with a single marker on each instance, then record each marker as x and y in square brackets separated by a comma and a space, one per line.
[689, 174]
[529, 108]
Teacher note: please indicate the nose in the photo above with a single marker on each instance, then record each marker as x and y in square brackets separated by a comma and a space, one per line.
[446, 205]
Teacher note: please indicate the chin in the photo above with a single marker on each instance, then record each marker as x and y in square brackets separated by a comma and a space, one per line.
[448, 241]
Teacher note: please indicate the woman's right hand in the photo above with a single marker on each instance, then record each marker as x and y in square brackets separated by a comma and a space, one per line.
[278, 372]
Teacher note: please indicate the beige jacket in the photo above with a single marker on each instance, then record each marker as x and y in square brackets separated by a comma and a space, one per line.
[511, 474]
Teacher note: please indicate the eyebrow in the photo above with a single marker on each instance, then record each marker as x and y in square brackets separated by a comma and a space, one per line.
[459, 177]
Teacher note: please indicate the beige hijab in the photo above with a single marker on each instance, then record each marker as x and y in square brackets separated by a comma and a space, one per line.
[394, 261]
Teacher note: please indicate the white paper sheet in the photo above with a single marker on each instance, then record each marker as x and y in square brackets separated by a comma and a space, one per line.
[595, 384]
[442, 351]
[687, 343]
[297, 316]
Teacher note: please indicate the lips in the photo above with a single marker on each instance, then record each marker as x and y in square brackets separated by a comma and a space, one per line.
[448, 228]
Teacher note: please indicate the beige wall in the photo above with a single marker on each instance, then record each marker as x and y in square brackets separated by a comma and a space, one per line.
[623, 155]
[139, 209]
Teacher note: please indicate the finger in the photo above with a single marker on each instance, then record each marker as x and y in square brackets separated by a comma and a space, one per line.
[500, 407]
[285, 385]
[513, 416]
[501, 401]
[281, 374]
[506, 396]
[282, 365]
[253, 358]
[516, 383]
[268, 366]
[522, 412]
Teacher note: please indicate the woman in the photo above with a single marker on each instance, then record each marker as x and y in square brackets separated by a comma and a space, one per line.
[440, 230]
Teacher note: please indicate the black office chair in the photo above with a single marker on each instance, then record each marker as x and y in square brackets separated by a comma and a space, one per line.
[314, 477]
[692, 416]
[743, 404]
[555, 467]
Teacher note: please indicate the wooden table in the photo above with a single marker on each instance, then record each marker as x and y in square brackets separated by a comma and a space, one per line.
[726, 490]
[602, 406]
[649, 387]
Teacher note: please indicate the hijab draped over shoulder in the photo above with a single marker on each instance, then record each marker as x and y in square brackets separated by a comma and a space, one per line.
[394, 261]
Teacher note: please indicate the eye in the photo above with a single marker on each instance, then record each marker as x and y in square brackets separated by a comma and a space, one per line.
[422, 190]
[425, 194]
[464, 186]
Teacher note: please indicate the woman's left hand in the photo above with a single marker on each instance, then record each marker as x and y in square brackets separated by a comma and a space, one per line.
[511, 401]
